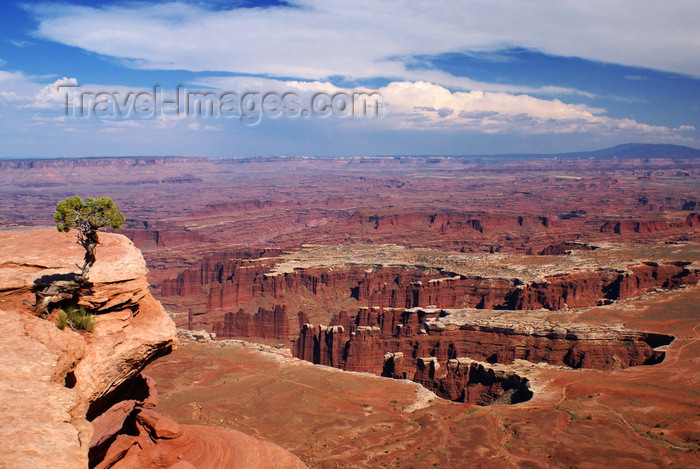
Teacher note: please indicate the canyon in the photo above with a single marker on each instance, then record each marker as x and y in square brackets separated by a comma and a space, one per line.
[505, 297]
[396, 277]
[400, 328]
[468, 204]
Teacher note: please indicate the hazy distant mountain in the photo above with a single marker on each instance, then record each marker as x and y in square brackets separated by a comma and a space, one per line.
[637, 150]
[624, 151]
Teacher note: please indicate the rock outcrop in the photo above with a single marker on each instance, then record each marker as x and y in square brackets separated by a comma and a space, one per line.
[72, 399]
[42, 419]
[75, 373]
[467, 380]
[266, 323]
[415, 343]
[133, 435]
[648, 226]
[222, 284]
[195, 446]
[448, 221]
[165, 236]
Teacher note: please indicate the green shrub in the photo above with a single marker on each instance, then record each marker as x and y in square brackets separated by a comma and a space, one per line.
[79, 319]
[62, 319]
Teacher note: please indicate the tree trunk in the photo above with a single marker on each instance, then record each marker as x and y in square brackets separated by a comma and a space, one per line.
[46, 295]
[88, 238]
[88, 260]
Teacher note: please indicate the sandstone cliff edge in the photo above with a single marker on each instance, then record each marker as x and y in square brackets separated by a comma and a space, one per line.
[77, 399]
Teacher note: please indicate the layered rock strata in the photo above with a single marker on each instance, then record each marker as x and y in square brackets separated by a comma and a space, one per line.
[473, 382]
[86, 370]
[133, 435]
[223, 284]
[413, 344]
[495, 204]
[266, 323]
[648, 226]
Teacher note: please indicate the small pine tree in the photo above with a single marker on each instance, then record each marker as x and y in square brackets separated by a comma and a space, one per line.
[87, 217]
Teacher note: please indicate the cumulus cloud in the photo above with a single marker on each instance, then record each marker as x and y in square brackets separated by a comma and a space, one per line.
[427, 106]
[316, 39]
[27, 91]
[313, 40]
[404, 105]
[51, 96]
[422, 105]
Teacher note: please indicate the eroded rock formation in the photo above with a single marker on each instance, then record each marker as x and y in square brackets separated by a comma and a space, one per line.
[467, 380]
[130, 434]
[74, 371]
[266, 323]
[222, 284]
[70, 399]
[416, 343]
[648, 226]
[150, 235]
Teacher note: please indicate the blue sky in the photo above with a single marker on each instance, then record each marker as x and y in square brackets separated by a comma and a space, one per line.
[449, 77]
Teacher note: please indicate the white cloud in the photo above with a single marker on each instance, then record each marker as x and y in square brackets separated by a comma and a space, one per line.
[9, 96]
[10, 79]
[26, 91]
[43, 105]
[366, 38]
[464, 83]
[406, 105]
[17, 43]
[422, 105]
[427, 106]
[51, 96]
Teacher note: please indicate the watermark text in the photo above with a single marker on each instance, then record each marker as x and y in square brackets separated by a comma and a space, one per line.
[249, 107]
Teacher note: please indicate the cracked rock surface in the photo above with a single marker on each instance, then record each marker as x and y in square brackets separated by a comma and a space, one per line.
[50, 376]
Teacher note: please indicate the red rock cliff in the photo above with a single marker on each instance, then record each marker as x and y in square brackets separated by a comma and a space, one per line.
[452, 334]
[226, 283]
[79, 398]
